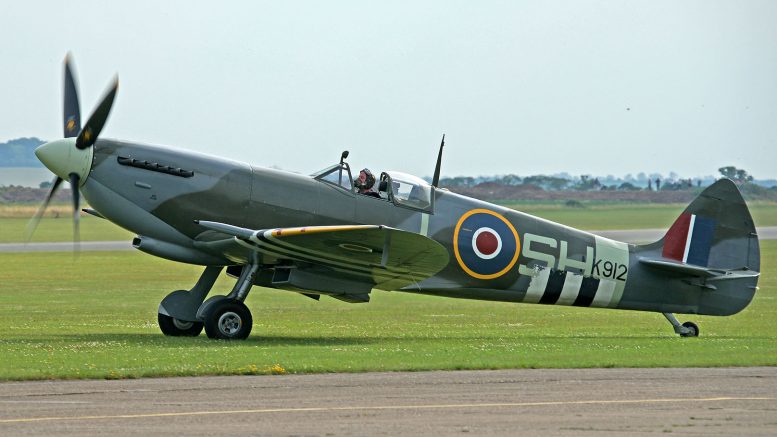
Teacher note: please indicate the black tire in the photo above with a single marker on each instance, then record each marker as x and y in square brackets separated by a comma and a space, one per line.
[178, 328]
[693, 328]
[228, 320]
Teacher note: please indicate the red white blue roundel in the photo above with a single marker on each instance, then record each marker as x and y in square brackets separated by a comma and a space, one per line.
[486, 245]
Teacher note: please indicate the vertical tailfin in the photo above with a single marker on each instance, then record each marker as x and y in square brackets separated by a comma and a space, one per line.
[715, 231]
[710, 257]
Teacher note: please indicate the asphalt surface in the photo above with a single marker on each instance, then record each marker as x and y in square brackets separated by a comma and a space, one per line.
[629, 236]
[718, 401]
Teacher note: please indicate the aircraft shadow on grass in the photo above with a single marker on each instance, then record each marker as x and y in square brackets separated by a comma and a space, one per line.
[157, 340]
[147, 339]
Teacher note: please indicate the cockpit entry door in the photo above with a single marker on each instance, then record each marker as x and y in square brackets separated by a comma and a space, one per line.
[336, 194]
[407, 191]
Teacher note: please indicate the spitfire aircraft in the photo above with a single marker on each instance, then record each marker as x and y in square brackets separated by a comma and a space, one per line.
[318, 235]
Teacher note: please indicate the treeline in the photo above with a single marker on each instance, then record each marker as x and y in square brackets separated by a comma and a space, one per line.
[27, 195]
[20, 153]
[642, 181]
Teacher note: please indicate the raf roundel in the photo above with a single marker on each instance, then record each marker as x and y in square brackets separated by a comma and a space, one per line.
[486, 245]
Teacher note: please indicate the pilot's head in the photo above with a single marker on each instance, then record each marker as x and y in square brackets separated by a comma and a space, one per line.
[365, 181]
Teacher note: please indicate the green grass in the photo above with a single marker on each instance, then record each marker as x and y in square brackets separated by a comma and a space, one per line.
[601, 216]
[55, 226]
[95, 317]
[597, 216]
[61, 229]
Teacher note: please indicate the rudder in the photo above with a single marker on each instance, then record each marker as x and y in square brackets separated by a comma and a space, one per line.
[716, 231]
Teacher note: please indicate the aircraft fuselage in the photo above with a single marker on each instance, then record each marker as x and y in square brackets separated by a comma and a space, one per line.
[495, 253]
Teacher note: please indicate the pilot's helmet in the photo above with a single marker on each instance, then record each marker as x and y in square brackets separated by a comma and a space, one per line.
[368, 182]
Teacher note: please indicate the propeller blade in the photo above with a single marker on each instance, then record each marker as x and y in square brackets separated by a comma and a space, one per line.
[94, 125]
[35, 220]
[71, 110]
[76, 210]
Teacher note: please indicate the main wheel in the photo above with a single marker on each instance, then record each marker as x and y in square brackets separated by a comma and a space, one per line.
[228, 320]
[178, 328]
[694, 330]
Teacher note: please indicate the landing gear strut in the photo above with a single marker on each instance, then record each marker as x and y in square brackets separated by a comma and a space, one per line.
[178, 310]
[227, 317]
[687, 329]
[183, 313]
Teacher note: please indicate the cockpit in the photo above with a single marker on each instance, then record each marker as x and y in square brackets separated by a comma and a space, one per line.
[402, 189]
[406, 190]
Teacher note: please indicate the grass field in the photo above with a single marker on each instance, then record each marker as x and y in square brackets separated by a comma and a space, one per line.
[95, 317]
[14, 219]
[12, 230]
[602, 216]
[56, 225]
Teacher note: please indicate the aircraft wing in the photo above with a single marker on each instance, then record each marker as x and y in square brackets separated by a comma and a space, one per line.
[387, 257]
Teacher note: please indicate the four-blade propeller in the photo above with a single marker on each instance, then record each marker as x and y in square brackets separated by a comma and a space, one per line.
[85, 138]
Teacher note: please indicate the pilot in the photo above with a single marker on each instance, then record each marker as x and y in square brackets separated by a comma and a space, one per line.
[365, 182]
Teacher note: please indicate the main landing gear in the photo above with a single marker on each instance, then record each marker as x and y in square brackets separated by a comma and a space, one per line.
[183, 313]
[687, 329]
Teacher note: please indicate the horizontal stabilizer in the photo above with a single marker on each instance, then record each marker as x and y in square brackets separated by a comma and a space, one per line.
[681, 268]
[697, 271]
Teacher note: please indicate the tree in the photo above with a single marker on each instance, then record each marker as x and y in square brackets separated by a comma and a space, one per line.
[458, 181]
[20, 152]
[585, 183]
[510, 179]
[735, 174]
[547, 182]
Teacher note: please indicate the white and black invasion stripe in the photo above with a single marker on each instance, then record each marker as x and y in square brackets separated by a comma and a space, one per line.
[559, 287]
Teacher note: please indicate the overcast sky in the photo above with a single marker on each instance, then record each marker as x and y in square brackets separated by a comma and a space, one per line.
[525, 87]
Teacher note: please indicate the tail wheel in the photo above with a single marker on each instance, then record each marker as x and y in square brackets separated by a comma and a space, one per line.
[693, 330]
[228, 320]
[178, 328]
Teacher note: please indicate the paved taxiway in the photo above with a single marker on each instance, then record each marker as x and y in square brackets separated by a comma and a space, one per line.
[718, 401]
[629, 236]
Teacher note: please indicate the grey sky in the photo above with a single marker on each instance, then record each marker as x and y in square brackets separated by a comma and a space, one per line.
[518, 87]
